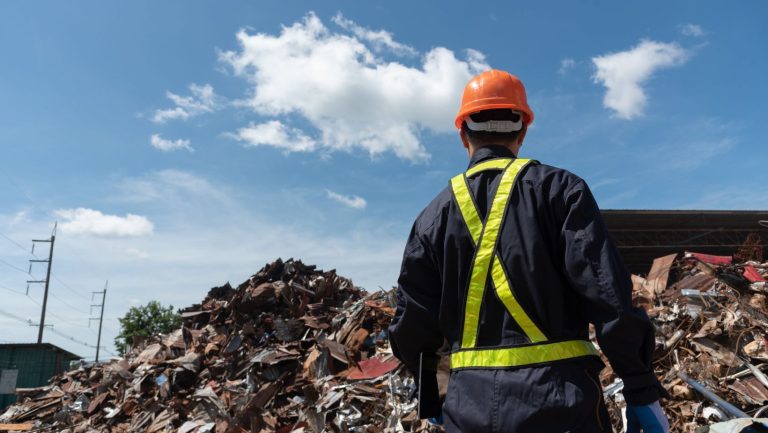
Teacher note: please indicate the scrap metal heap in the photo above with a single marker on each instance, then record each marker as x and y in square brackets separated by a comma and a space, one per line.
[292, 349]
[711, 329]
[295, 349]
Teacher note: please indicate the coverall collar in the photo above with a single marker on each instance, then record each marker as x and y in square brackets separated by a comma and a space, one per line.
[490, 152]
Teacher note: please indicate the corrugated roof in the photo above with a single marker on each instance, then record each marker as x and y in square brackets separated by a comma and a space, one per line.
[642, 235]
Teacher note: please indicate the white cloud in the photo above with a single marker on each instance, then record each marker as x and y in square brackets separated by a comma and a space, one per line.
[275, 133]
[83, 221]
[161, 143]
[354, 99]
[566, 65]
[137, 253]
[352, 201]
[172, 187]
[203, 100]
[692, 30]
[623, 74]
[380, 39]
[19, 217]
[212, 233]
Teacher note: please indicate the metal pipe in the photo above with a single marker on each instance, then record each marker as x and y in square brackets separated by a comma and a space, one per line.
[728, 408]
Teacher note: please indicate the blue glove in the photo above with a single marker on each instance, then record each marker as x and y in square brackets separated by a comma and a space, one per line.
[436, 421]
[649, 418]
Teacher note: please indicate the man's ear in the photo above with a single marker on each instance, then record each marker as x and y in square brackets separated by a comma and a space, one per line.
[522, 134]
[464, 139]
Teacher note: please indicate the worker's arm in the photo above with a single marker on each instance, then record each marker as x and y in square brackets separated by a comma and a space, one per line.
[414, 328]
[597, 273]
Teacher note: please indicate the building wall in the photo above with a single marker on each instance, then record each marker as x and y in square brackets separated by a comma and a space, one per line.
[36, 366]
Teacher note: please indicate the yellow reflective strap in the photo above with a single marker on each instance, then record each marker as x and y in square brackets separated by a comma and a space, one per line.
[500, 280]
[522, 355]
[493, 164]
[485, 252]
[504, 292]
[467, 206]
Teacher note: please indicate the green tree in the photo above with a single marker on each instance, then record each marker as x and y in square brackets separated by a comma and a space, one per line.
[145, 321]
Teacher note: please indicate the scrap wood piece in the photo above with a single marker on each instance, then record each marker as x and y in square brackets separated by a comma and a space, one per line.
[17, 427]
[371, 368]
[751, 389]
[658, 276]
[751, 274]
[381, 305]
[717, 351]
[757, 349]
[709, 258]
[153, 353]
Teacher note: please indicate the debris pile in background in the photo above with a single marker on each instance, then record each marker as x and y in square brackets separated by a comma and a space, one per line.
[292, 349]
[711, 338]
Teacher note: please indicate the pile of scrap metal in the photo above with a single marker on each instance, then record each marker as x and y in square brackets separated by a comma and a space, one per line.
[712, 339]
[293, 349]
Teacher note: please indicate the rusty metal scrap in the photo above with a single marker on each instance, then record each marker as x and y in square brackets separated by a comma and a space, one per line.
[712, 329]
[292, 349]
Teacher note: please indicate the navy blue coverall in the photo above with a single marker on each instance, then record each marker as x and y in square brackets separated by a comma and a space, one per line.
[565, 273]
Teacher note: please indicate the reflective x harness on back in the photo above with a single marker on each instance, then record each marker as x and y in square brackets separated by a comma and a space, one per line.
[485, 236]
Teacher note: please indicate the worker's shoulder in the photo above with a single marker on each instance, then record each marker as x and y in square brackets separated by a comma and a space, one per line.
[436, 208]
[551, 178]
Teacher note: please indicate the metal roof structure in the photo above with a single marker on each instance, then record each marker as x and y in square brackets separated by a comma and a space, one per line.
[42, 346]
[642, 235]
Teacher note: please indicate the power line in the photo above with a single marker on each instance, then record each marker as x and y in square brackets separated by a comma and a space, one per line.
[12, 290]
[73, 339]
[66, 286]
[15, 317]
[68, 304]
[16, 268]
[16, 243]
[13, 182]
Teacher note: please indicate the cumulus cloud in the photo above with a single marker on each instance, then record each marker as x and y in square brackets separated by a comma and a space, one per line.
[380, 39]
[624, 73]
[161, 143]
[137, 253]
[275, 133]
[350, 96]
[352, 201]
[202, 100]
[692, 30]
[83, 221]
[170, 187]
[566, 65]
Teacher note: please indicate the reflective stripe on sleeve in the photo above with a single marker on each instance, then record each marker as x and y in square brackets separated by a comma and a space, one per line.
[522, 355]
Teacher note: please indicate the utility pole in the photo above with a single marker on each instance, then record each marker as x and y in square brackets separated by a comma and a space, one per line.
[103, 294]
[47, 280]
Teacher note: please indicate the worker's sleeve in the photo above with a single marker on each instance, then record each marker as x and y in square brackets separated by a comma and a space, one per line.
[415, 328]
[595, 270]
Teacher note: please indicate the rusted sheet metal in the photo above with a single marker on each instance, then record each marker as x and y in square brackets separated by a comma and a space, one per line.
[292, 349]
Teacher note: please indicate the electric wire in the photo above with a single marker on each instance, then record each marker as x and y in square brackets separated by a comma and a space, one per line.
[68, 304]
[14, 267]
[13, 182]
[66, 286]
[12, 290]
[21, 247]
[71, 338]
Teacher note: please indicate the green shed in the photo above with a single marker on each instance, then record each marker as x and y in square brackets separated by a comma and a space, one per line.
[29, 365]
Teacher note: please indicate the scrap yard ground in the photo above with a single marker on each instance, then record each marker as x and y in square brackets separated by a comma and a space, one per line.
[295, 349]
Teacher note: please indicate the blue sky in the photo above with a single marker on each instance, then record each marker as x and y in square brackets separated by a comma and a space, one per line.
[183, 144]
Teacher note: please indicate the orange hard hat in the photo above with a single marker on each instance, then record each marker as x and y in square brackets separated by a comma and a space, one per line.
[491, 90]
